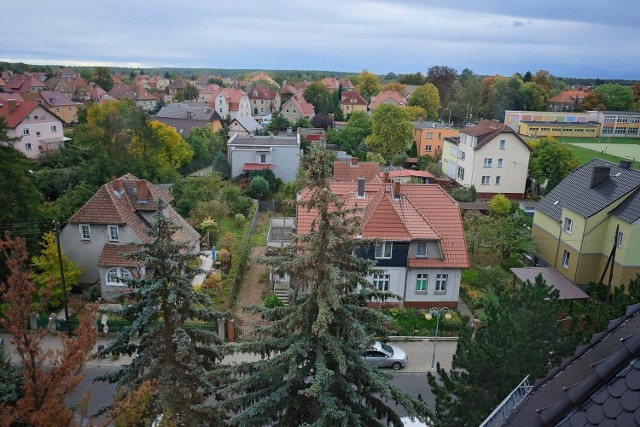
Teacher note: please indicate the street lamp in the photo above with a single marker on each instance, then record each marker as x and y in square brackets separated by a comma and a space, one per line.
[437, 312]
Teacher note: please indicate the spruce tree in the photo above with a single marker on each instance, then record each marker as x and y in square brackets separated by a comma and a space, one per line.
[520, 336]
[178, 355]
[313, 371]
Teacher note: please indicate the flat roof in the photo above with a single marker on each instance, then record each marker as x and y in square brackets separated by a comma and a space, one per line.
[265, 140]
[568, 290]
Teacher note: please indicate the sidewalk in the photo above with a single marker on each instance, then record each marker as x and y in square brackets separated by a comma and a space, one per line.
[419, 351]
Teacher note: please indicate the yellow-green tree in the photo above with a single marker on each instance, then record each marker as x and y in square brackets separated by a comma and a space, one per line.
[368, 85]
[46, 274]
[172, 149]
[500, 205]
[427, 97]
[391, 132]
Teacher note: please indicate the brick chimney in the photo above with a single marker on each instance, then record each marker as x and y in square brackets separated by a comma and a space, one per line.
[354, 162]
[396, 190]
[118, 187]
[386, 176]
[11, 102]
[143, 191]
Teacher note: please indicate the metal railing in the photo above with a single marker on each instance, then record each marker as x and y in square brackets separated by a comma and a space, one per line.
[510, 402]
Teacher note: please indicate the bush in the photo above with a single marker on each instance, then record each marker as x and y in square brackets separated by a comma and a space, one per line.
[271, 301]
[238, 220]
[227, 241]
[213, 284]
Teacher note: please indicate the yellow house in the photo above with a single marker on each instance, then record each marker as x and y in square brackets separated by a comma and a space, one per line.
[575, 225]
[428, 137]
[352, 102]
[559, 129]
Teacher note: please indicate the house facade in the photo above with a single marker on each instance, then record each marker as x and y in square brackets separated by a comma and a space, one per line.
[60, 105]
[428, 137]
[111, 225]
[559, 129]
[230, 102]
[186, 116]
[297, 107]
[263, 100]
[351, 102]
[280, 153]
[243, 126]
[490, 156]
[574, 226]
[421, 250]
[39, 130]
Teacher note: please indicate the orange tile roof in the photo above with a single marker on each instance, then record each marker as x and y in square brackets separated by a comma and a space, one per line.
[424, 212]
[386, 95]
[114, 255]
[346, 171]
[17, 114]
[569, 96]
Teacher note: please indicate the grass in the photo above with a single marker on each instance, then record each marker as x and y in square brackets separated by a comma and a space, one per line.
[411, 322]
[603, 140]
[585, 155]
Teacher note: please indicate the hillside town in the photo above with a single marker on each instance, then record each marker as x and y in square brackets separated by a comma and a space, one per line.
[254, 248]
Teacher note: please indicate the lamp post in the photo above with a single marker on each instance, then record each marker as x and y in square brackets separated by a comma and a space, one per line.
[437, 312]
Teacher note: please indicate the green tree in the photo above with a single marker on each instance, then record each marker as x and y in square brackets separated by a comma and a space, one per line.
[427, 97]
[20, 199]
[10, 380]
[68, 203]
[221, 165]
[102, 77]
[616, 96]
[504, 236]
[520, 336]
[368, 85]
[258, 188]
[354, 133]
[500, 205]
[5, 140]
[191, 92]
[534, 96]
[46, 274]
[391, 132]
[318, 96]
[178, 355]
[316, 374]
[545, 154]
[555, 177]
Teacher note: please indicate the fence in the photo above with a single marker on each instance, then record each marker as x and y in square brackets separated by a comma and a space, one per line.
[244, 255]
[246, 331]
[268, 205]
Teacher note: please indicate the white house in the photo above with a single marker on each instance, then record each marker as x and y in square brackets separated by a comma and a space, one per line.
[280, 153]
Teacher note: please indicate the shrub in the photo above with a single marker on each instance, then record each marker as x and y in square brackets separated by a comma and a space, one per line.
[227, 241]
[213, 284]
[238, 220]
[271, 301]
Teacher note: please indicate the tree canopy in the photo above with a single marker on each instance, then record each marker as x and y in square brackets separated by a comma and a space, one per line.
[391, 132]
[546, 154]
[616, 96]
[427, 97]
[368, 85]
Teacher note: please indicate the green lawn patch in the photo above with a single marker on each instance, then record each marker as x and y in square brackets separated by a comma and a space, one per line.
[411, 322]
[585, 155]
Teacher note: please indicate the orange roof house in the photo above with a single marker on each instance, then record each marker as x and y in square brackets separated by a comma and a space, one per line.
[387, 97]
[352, 170]
[568, 100]
[352, 102]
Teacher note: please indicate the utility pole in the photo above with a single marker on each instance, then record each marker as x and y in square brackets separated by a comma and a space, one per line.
[56, 227]
[612, 260]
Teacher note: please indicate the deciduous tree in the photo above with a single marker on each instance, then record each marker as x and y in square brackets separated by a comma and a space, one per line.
[102, 77]
[616, 96]
[426, 96]
[391, 132]
[318, 96]
[546, 153]
[500, 205]
[443, 78]
[368, 85]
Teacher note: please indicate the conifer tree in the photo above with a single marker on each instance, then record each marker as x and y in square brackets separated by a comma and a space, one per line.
[177, 355]
[521, 336]
[313, 371]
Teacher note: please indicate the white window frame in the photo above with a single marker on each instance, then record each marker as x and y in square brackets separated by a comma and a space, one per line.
[382, 281]
[441, 282]
[422, 282]
[485, 180]
[503, 144]
[498, 179]
[121, 274]
[384, 250]
[500, 163]
[27, 146]
[568, 225]
[421, 250]
[488, 162]
[85, 231]
[111, 235]
[566, 255]
[25, 132]
[54, 128]
[428, 148]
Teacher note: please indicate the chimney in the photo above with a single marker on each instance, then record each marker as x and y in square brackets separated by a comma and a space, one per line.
[361, 188]
[396, 190]
[118, 187]
[12, 104]
[386, 176]
[625, 164]
[494, 124]
[599, 175]
[143, 191]
[188, 115]
[354, 162]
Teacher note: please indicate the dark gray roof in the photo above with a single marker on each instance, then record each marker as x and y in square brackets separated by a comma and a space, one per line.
[181, 111]
[574, 191]
[599, 385]
[264, 141]
[629, 210]
[568, 290]
[428, 125]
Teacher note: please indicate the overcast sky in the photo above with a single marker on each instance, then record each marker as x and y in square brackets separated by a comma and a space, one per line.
[586, 38]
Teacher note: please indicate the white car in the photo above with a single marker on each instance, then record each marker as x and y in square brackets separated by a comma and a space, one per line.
[386, 356]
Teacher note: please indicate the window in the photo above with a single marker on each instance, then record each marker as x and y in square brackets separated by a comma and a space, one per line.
[35, 117]
[620, 237]
[117, 276]
[429, 135]
[565, 259]
[381, 281]
[383, 250]
[113, 233]
[422, 280]
[486, 180]
[25, 131]
[38, 133]
[500, 163]
[85, 232]
[27, 146]
[441, 282]
[503, 144]
[54, 128]
[263, 158]
[568, 225]
[498, 179]
[461, 172]
[421, 251]
[487, 162]
[462, 155]
[427, 148]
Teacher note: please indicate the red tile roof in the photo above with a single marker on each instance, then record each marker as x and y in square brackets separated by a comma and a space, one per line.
[352, 98]
[17, 113]
[349, 172]
[408, 172]
[423, 212]
[261, 92]
[114, 255]
[305, 108]
[331, 83]
[346, 84]
[387, 95]
[569, 97]
[256, 166]
[209, 89]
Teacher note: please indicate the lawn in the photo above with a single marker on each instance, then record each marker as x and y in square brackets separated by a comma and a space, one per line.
[585, 155]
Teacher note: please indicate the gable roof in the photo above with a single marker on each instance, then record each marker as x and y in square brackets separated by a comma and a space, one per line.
[203, 79]
[575, 192]
[15, 112]
[56, 99]
[68, 84]
[232, 96]
[331, 83]
[306, 109]
[346, 84]
[180, 111]
[487, 130]
[118, 202]
[264, 77]
[352, 98]
[568, 97]
[387, 95]
[261, 92]
[598, 385]
[423, 212]
[209, 89]
[248, 123]
[350, 171]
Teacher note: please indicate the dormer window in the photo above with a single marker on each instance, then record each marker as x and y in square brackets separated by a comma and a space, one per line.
[383, 250]
[421, 251]
[114, 234]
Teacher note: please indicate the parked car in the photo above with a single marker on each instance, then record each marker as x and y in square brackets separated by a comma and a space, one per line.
[386, 356]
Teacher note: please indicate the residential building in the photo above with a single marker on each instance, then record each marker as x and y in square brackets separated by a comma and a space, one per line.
[203, 80]
[97, 94]
[71, 87]
[3, 85]
[207, 92]
[352, 102]
[262, 77]
[176, 86]
[158, 83]
[353, 169]
[280, 153]
[243, 126]
[490, 156]
[346, 85]
[138, 93]
[111, 225]
[24, 83]
[421, 247]
[297, 107]
[568, 100]
[428, 137]
[559, 129]
[612, 123]
[39, 130]
[263, 100]
[313, 135]
[58, 103]
[387, 97]
[331, 83]
[230, 102]
[186, 116]
[574, 226]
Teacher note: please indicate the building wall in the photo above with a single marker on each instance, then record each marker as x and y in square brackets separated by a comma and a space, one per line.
[68, 113]
[285, 159]
[544, 129]
[46, 125]
[352, 108]
[433, 139]
[290, 111]
[451, 293]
